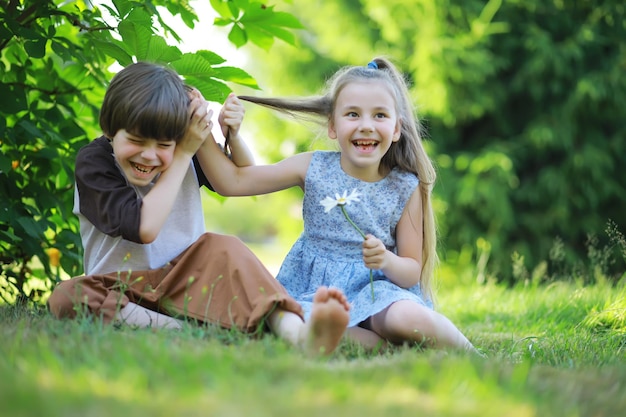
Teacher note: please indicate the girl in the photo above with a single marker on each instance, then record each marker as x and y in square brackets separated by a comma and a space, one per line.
[383, 164]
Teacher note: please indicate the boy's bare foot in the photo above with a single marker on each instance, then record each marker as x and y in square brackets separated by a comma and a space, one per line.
[328, 321]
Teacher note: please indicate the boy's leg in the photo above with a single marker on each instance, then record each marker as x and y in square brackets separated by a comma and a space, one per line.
[136, 315]
[216, 280]
[219, 280]
[97, 296]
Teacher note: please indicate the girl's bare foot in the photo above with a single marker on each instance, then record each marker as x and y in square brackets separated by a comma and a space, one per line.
[328, 321]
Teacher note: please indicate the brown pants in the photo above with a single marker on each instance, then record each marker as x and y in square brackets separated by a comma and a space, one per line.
[216, 280]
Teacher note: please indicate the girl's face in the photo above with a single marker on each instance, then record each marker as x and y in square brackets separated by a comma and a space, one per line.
[141, 159]
[365, 124]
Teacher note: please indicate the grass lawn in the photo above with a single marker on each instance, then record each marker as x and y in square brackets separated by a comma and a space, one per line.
[554, 350]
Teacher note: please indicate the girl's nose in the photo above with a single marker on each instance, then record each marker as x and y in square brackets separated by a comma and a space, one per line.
[366, 125]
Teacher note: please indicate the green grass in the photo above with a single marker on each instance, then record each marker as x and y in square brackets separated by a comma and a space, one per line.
[557, 350]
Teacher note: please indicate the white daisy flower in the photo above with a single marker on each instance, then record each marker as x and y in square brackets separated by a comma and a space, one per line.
[330, 203]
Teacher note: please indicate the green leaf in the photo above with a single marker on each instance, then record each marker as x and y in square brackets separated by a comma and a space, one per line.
[5, 164]
[124, 7]
[267, 17]
[237, 36]
[159, 51]
[222, 22]
[36, 48]
[281, 33]
[210, 56]
[111, 49]
[137, 31]
[30, 226]
[260, 37]
[236, 75]
[211, 89]
[185, 11]
[30, 128]
[13, 99]
[223, 9]
[192, 65]
[262, 25]
[8, 236]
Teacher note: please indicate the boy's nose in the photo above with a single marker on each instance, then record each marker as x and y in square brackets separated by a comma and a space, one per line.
[149, 153]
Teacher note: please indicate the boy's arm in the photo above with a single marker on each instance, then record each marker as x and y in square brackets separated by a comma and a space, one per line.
[158, 203]
[104, 196]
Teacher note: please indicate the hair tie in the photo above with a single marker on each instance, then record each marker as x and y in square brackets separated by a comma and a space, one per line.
[372, 65]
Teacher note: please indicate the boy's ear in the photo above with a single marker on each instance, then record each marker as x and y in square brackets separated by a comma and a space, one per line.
[331, 130]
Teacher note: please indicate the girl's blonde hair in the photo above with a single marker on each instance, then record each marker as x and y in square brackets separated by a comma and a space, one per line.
[407, 154]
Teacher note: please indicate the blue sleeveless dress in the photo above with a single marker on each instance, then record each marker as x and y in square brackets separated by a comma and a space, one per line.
[329, 251]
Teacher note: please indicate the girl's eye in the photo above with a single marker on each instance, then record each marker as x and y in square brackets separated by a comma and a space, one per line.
[380, 115]
[352, 114]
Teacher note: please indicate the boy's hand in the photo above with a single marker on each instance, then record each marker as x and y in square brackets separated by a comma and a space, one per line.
[200, 124]
[231, 116]
[374, 252]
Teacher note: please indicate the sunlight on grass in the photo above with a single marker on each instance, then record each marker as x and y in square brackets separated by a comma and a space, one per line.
[556, 350]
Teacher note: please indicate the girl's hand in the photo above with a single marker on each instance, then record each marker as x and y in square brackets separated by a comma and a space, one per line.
[374, 252]
[231, 116]
[200, 125]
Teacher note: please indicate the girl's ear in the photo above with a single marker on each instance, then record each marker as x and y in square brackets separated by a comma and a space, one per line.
[397, 131]
[331, 129]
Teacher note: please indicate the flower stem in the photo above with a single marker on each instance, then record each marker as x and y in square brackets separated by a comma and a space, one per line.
[345, 214]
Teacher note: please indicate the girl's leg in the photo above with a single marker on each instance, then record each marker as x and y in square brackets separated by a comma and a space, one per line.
[323, 332]
[407, 321]
[366, 338]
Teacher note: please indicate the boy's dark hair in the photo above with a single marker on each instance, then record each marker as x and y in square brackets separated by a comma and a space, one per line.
[147, 100]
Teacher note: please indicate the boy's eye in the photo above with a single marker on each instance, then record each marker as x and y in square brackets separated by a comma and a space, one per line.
[166, 145]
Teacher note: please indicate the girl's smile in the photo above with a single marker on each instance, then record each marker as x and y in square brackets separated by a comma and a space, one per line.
[365, 146]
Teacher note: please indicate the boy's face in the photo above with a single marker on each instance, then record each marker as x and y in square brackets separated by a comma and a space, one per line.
[141, 159]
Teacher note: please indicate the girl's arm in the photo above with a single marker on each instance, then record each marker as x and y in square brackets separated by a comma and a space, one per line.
[230, 119]
[230, 180]
[404, 269]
